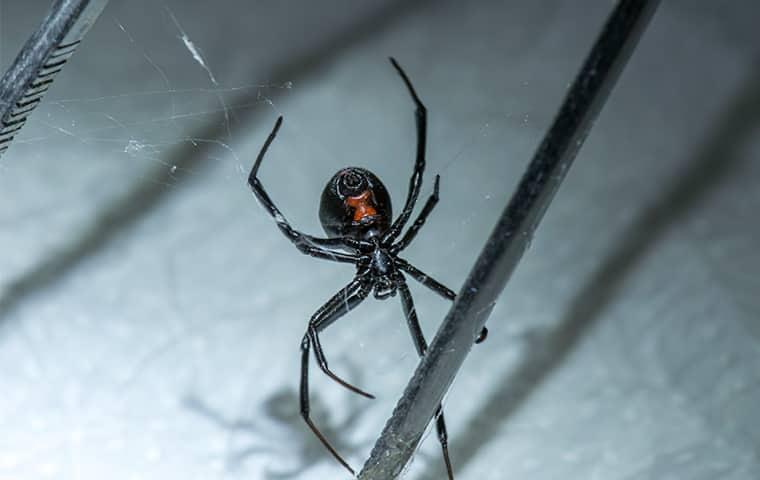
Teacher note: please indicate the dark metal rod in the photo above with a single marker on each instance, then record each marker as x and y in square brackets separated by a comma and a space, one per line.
[508, 241]
[24, 84]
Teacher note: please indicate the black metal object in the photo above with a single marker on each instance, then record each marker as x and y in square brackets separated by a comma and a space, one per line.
[508, 241]
[45, 53]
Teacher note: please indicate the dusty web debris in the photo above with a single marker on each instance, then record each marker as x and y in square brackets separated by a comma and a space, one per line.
[192, 48]
[133, 147]
[195, 52]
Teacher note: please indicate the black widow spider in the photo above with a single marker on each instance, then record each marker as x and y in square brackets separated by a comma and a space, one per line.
[355, 212]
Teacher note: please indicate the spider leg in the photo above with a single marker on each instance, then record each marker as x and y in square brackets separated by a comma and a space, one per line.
[420, 115]
[304, 400]
[435, 286]
[340, 304]
[421, 346]
[417, 225]
[426, 279]
[304, 243]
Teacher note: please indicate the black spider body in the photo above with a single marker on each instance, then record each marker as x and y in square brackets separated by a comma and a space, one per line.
[355, 204]
[355, 212]
[381, 273]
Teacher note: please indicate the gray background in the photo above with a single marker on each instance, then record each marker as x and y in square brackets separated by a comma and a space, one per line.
[150, 311]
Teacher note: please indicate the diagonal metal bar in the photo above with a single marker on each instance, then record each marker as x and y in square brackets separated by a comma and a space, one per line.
[45, 53]
[509, 239]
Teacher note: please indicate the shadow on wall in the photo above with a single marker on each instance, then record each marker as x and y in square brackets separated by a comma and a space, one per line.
[278, 435]
[714, 159]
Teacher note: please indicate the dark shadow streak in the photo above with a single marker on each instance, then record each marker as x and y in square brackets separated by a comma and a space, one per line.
[716, 157]
[124, 212]
[277, 434]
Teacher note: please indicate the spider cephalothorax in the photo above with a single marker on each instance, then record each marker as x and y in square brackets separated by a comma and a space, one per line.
[355, 211]
[355, 204]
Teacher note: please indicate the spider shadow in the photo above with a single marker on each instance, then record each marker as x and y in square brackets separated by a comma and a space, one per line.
[278, 433]
[121, 214]
[716, 157]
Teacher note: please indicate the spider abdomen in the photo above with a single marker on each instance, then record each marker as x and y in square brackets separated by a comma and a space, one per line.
[355, 204]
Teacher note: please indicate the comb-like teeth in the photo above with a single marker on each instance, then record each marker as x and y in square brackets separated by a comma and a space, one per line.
[16, 118]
